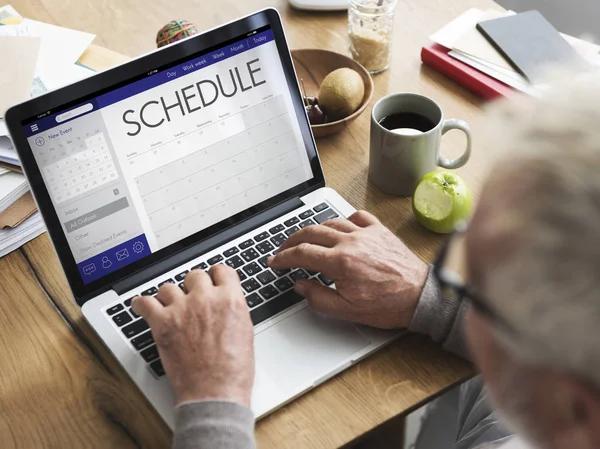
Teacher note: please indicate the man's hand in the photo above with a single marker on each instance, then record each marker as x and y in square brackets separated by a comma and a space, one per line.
[378, 279]
[205, 337]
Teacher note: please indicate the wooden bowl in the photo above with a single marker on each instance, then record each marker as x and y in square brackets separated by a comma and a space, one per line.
[313, 65]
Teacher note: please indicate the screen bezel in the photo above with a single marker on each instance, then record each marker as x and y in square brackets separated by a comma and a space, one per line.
[19, 115]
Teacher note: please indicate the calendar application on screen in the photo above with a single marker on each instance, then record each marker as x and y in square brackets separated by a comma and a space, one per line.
[150, 163]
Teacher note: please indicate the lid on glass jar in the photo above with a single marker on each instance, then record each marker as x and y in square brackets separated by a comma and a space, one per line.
[374, 7]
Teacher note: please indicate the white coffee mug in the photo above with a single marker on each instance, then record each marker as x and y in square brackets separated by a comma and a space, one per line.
[399, 159]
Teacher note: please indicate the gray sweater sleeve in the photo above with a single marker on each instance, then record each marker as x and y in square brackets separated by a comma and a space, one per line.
[213, 425]
[440, 317]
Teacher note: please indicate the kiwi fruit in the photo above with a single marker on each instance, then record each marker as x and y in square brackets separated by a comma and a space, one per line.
[341, 93]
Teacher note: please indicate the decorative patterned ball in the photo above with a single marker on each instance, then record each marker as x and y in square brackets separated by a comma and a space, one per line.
[174, 31]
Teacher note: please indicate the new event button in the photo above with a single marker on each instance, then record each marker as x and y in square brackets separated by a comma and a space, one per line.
[95, 215]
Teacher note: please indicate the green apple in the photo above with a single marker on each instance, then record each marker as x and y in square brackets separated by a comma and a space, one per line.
[442, 200]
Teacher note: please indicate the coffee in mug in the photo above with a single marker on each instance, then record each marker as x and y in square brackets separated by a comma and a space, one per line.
[407, 123]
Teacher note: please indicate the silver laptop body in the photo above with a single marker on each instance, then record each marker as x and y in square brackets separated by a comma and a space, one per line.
[196, 154]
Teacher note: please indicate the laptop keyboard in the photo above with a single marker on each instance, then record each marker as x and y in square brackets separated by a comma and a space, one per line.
[268, 292]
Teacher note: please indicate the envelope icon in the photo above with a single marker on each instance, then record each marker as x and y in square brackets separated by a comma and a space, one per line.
[122, 254]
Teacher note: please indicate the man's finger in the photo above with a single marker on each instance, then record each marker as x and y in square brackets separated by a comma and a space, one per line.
[197, 280]
[316, 235]
[323, 299]
[341, 224]
[224, 275]
[304, 255]
[363, 219]
[168, 294]
[148, 307]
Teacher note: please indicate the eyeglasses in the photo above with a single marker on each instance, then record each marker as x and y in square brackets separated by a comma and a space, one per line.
[451, 271]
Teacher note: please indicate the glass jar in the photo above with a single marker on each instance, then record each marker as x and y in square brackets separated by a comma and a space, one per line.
[370, 30]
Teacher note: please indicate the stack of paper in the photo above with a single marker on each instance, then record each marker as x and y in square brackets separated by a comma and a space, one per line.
[11, 239]
[467, 45]
[12, 187]
[36, 57]
[8, 154]
[19, 219]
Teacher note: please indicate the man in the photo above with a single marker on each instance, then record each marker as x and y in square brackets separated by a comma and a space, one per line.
[522, 282]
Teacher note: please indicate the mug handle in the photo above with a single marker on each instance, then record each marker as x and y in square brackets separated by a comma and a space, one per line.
[462, 160]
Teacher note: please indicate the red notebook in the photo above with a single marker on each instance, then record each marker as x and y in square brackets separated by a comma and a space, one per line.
[482, 85]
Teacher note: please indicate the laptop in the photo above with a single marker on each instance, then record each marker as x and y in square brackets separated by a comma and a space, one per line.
[196, 154]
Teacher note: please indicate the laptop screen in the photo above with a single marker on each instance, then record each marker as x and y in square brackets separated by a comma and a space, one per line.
[145, 165]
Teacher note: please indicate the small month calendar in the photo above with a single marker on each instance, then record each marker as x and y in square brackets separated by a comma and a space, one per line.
[77, 165]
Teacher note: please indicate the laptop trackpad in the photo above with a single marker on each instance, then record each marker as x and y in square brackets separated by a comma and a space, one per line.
[305, 347]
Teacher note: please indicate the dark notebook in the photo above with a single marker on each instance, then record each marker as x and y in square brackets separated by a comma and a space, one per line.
[531, 44]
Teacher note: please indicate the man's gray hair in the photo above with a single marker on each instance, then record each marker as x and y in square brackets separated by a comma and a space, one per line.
[546, 279]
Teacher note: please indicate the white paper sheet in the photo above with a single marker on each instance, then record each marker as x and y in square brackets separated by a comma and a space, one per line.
[14, 30]
[589, 50]
[8, 14]
[56, 75]
[19, 57]
[509, 80]
[8, 153]
[3, 128]
[450, 33]
[70, 74]
[60, 47]
[12, 186]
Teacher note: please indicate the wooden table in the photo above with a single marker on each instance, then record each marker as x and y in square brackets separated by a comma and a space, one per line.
[61, 388]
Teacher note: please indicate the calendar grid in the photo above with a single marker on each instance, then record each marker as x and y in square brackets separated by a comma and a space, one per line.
[227, 199]
[213, 165]
[178, 225]
[81, 171]
[88, 184]
[222, 182]
[88, 154]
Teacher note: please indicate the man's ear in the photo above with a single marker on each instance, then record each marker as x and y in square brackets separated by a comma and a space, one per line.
[582, 415]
